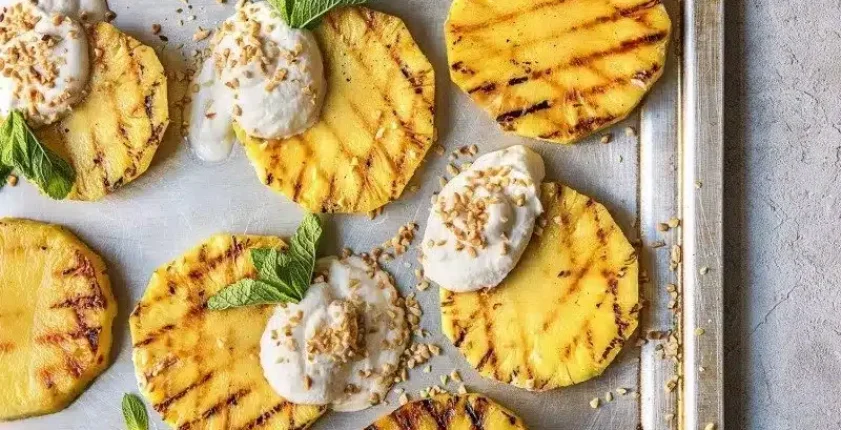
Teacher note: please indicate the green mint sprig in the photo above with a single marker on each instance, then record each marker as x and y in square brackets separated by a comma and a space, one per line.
[307, 13]
[282, 277]
[134, 413]
[20, 150]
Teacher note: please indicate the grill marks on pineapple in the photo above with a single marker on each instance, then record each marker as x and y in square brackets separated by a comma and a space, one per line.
[584, 269]
[564, 112]
[448, 412]
[200, 366]
[111, 137]
[58, 317]
[371, 164]
[67, 343]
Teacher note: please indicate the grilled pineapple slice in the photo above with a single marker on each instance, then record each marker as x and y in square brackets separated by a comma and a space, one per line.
[565, 311]
[467, 412]
[111, 137]
[200, 369]
[376, 126]
[56, 310]
[557, 70]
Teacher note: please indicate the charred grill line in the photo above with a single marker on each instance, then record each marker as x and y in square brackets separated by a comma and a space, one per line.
[154, 335]
[215, 409]
[582, 61]
[265, 416]
[475, 415]
[368, 17]
[512, 115]
[94, 301]
[627, 12]
[164, 405]
[467, 29]
[441, 422]
[485, 88]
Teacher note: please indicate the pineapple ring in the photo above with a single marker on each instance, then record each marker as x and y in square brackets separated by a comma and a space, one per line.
[200, 368]
[56, 311]
[376, 126]
[465, 412]
[562, 315]
[555, 70]
[111, 137]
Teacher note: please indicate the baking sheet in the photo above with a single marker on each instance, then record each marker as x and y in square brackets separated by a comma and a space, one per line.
[181, 201]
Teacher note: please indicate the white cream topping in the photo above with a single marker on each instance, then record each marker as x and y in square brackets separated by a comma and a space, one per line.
[341, 345]
[262, 74]
[483, 219]
[86, 11]
[44, 61]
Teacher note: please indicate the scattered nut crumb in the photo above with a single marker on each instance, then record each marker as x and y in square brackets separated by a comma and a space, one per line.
[606, 138]
[595, 403]
[156, 29]
[630, 131]
[12, 180]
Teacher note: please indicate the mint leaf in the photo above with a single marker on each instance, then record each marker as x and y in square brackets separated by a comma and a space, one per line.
[135, 413]
[302, 252]
[307, 13]
[5, 171]
[284, 7]
[248, 292]
[283, 277]
[20, 149]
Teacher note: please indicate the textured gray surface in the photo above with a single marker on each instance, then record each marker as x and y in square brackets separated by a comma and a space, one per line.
[783, 159]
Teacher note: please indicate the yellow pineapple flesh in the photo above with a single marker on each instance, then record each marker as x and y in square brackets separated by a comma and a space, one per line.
[557, 70]
[564, 312]
[464, 412]
[376, 126]
[111, 137]
[56, 311]
[200, 369]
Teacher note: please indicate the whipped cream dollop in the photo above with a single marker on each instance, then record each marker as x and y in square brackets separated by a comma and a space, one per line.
[44, 63]
[263, 75]
[341, 345]
[482, 220]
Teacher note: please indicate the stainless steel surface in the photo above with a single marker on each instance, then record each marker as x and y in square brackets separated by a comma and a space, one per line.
[181, 201]
[659, 201]
[702, 195]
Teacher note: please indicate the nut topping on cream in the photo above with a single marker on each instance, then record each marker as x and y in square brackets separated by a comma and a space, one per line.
[483, 219]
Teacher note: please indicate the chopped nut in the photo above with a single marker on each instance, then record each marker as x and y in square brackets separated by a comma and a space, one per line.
[595, 403]
[606, 138]
[662, 227]
[404, 398]
[630, 131]
[699, 331]
[201, 34]
[156, 29]
[709, 426]
[621, 391]
[12, 180]
[462, 389]
[608, 397]
[704, 270]
[674, 223]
